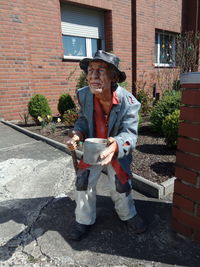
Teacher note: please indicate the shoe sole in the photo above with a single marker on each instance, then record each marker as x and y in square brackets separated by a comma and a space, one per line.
[73, 238]
[140, 231]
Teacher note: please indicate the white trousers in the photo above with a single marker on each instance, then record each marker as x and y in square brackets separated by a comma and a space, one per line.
[85, 211]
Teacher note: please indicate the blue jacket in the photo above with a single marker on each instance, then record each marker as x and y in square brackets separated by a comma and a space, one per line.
[122, 125]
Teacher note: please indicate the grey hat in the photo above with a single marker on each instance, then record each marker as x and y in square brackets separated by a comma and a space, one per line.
[109, 58]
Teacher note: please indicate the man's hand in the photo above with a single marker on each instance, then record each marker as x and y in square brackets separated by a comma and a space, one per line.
[73, 139]
[108, 153]
[72, 142]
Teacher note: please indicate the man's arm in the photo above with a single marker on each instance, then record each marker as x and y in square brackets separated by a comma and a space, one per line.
[127, 136]
[124, 142]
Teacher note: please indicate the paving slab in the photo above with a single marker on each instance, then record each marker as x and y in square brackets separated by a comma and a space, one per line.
[37, 207]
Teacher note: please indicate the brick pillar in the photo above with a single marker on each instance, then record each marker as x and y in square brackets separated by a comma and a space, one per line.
[186, 199]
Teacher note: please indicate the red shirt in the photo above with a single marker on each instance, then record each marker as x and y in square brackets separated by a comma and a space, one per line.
[101, 131]
[101, 120]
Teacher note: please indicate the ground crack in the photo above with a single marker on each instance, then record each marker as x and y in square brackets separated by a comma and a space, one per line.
[29, 228]
[29, 236]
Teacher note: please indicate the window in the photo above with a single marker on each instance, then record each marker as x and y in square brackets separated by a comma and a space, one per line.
[82, 31]
[165, 49]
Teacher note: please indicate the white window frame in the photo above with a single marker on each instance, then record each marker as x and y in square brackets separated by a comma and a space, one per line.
[88, 49]
[158, 64]
[72, 18]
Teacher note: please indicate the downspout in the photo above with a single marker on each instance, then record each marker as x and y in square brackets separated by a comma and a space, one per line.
[196, 31]
[197, 16]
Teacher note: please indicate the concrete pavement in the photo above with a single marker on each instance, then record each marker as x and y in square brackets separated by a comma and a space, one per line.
[37, 206]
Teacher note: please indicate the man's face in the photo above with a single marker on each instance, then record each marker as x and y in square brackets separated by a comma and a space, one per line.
[99, 77]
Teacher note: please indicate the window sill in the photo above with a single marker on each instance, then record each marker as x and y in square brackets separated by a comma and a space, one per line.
[72, 58]
[158, 65]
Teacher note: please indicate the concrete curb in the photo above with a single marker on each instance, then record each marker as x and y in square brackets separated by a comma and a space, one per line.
[152, 189]
[42, 138]
[139, 183]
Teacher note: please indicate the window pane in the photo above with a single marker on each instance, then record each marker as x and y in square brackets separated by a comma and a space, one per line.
[166, 49]
[96, 45]
[74, 46]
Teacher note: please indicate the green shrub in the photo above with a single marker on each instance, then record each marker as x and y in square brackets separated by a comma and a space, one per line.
[70, 116]
[140, 120]
[44, 121]
[124, 85]
[81, 81]
[38, 106]
[168, 104]
[171, 93]
[65, 103]
[144, 99]
[176, 85]
[170, 128]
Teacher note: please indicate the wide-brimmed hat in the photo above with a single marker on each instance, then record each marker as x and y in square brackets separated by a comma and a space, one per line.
[109, 58]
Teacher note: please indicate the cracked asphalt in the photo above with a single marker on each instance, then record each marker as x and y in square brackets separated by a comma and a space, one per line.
[37, 207]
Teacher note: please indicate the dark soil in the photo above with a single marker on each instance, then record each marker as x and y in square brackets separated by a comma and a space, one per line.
[152, 159]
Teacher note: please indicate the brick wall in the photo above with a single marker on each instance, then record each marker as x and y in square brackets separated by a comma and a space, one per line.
[122, 36]
[31, 54]
[152, 15]
[191, 18]
[31, 51]
[186, 201]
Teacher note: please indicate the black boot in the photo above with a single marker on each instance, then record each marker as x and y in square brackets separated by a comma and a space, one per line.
[77, 231]
[136, 225]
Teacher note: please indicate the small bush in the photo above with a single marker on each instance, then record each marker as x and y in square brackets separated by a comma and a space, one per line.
[176, 85]
[81, 81]
[171, 93]
[38, 106]
[170, 128]
[145, 100]
[168, 104]
[44, 121]
[124, 85]
[24, 117]
[70, 116]
[65, 103]
[140, 121]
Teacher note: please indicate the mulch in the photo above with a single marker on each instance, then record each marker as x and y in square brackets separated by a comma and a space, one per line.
[152, 159]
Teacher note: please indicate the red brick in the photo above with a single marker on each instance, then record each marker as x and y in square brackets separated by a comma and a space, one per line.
[190, 130]
[187, 191]
[189, 220]
[196, 236]
[187, 160]
[190, 113]
[190, 85]
[191, 97]
[198, 210]
[186, 175]
[189, 145]
[38, 55]
[183, 203]
[178, 227]
[129, 32]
